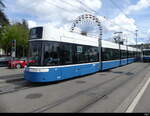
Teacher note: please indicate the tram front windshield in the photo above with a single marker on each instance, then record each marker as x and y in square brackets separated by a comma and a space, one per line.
[35, 50]
[147, 52]
[43, 54]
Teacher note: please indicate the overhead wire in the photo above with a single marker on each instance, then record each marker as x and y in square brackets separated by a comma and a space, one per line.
[51, 3]
[141, 28]
[81, 2]
[123, 12]
[64, 1]
[95, 12]
[92, 11]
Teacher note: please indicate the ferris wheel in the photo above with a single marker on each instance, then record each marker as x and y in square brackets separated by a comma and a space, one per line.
[88, 25]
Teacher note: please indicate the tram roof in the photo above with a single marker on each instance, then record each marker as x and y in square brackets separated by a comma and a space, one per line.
[146, 49]
[52, 34]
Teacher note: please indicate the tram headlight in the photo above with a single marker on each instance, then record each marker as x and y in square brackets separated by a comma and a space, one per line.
[37, 70]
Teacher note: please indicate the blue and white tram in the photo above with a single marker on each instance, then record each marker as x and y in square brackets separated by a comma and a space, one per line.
[63, 55]
[146, 55]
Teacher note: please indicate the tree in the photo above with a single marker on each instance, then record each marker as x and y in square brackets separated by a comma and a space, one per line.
[1, 4]
[23, 38]
[19, 32]
[3, 18]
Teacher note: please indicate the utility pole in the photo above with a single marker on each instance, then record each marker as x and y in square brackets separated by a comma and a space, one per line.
[126, 40]
[136, 34]
[119, 42]
[142, 47]
[100, 46]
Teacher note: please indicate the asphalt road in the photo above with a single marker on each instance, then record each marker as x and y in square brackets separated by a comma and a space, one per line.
[101, 92]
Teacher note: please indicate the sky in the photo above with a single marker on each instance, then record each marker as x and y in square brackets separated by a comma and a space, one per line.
[120, 15]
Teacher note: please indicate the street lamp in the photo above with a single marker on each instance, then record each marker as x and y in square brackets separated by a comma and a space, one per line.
[119, 37]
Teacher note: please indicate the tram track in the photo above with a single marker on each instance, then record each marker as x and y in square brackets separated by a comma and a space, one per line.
[106, 93]
[92, 94]
[20, 84]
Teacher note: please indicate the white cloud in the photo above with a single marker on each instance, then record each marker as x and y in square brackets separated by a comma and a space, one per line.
[123, 24]
[59, 12]
[139, 6]
[127, 25]
[31, 23]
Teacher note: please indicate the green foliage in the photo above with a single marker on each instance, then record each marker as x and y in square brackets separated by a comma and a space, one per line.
[2, 5]
[18, 32]
[3, 18]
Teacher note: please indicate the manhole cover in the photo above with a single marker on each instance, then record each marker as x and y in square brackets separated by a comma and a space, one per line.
[103, 74]
[129, 73]
[92, 94]
[118, 72]
[34, 96]
[80, 82]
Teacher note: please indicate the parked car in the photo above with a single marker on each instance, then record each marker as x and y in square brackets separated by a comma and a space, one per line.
[19, 63]
[4, 60]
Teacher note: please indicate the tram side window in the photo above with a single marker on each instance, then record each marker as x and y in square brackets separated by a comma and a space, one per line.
[130, 54]
[110, 54]
[116, 54]
[105, 54]
[82, 54]
[139, 54]
[93, 54]
[51, 57]
[146, 53]
[123, 54]
[135, 53]
[66, 54]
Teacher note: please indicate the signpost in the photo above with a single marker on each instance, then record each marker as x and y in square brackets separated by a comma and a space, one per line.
[13, 51]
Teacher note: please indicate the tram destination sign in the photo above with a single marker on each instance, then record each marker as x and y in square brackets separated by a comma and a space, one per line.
[36, 33]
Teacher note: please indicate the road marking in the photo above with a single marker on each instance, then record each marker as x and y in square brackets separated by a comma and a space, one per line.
[137, 98]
